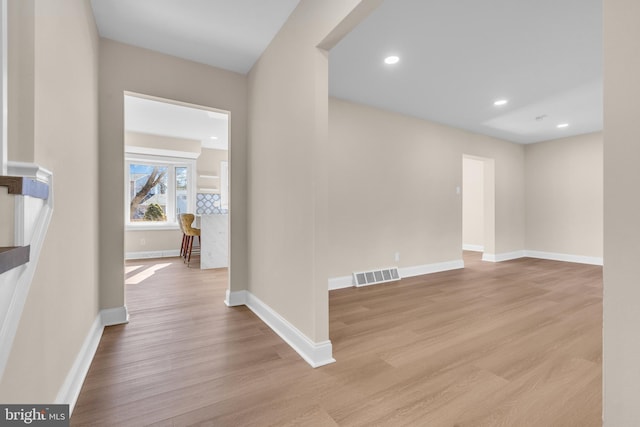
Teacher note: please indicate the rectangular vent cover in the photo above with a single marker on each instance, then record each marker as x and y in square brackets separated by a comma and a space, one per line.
[373, 277]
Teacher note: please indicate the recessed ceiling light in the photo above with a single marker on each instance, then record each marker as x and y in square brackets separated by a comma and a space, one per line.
[213, 137]
[500, 102]
[563, 125]
[391, 60]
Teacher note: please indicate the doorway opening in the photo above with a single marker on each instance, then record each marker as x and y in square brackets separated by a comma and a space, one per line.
[176, 162]
[478, 205]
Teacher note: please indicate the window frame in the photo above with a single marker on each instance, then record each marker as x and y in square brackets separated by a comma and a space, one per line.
[137, 155]
[224, 185]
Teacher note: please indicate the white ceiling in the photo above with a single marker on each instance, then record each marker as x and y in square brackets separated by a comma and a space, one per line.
[229, 34]
[144, 115]
[456, 57]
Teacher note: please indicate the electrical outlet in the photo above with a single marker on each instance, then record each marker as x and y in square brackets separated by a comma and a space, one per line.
[143, 242]
[397, 256]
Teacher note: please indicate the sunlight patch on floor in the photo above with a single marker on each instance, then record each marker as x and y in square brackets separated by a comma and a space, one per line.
[145, 274]
[130, 268]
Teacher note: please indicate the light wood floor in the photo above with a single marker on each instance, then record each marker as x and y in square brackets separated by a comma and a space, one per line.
[516, 343]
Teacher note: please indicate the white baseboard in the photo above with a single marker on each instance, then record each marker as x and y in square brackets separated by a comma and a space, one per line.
[340, 282]
[580, 259]
[506, 256]
[114, 316]
[553, 256]
[347, 281]
[236, 298]
[70, 389]
[473, 248]
[152, 254]
[419, 270]
[314, 353]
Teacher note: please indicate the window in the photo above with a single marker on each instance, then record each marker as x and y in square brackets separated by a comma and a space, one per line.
[158, 190]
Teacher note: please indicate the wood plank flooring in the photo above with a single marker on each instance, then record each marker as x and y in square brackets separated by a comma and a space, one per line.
[517, 343]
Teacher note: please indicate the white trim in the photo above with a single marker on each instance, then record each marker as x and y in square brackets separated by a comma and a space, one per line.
[341, 282]
[171, 163]
[489, 257]
[148, 151]
[553, 256]
[31, 170]
[236, 298]
[33, 225]
[473, 248]
[147, 226]
[171, 253]
[70, 389]
[580, 259]
[114, 316]
[224, 185]
[419, 270]
[314, 353]
[507, 256]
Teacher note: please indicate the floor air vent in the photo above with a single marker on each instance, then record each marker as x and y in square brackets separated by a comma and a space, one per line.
[373, 277]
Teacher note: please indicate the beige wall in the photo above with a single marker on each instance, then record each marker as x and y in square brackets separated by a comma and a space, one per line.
[128, 68]
[288, 95]
[209, 164]
[137, 241]
[63, 299]
[138, 139]
[7, 209]
[21, 69]
[392, 188]
[564, 196]
[472, 202]
[621, 347]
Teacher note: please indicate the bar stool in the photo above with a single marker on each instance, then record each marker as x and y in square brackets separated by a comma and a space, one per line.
[183, 245]
[189, 233]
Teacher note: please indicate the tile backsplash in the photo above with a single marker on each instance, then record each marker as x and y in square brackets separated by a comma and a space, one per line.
[207, 204]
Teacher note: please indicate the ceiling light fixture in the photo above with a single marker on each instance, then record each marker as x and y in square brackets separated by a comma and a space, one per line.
[563, 125]
[213, 137]
[500, 102]
[390, 60]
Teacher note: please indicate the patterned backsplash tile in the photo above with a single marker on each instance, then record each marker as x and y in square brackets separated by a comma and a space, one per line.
[207, 204]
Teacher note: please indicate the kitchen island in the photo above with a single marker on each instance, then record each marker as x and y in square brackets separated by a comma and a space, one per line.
[214, 232]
